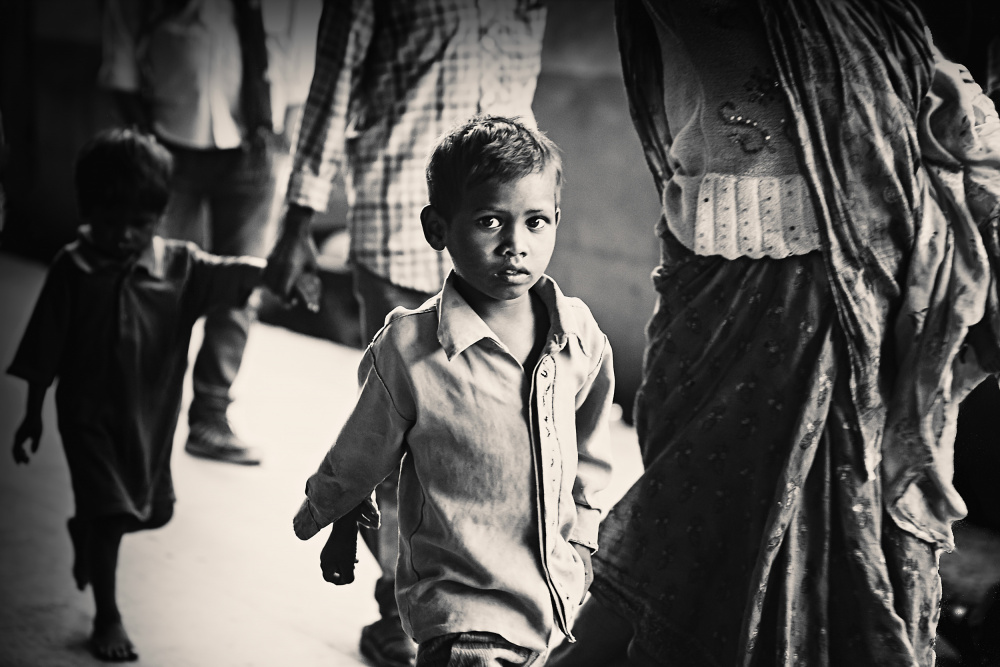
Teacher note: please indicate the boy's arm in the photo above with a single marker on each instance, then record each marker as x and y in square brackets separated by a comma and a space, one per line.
[593, 407]
[41, 349]
[367, 451]
[217, 281]
[31, 425]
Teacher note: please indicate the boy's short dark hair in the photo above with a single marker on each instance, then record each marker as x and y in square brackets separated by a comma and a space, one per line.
[484, 148]
[123, 170]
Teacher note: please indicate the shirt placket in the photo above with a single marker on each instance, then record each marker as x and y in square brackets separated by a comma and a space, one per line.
[549, 474]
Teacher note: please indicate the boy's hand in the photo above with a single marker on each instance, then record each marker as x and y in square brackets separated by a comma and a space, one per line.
[30, 429]
[584, 554]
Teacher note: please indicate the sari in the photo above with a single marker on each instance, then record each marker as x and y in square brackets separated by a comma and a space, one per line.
[796, 415]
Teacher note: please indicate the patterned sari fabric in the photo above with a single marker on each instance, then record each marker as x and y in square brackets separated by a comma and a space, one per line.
[796, 415]
[755, 500]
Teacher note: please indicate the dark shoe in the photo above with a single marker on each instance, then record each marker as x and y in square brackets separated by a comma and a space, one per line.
[384, 644]
[216, 441]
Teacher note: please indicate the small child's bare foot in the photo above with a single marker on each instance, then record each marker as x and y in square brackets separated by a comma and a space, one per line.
[109, 642]
[79, 534]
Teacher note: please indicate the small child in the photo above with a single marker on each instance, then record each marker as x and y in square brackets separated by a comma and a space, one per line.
[113, 323]
[495, 396]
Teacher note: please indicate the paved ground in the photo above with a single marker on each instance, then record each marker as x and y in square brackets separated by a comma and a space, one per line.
[226, 583]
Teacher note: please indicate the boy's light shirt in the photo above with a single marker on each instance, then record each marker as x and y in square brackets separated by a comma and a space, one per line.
[500, 471]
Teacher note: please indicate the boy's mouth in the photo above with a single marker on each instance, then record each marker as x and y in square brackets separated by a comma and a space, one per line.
[514, 274]
[510, 268]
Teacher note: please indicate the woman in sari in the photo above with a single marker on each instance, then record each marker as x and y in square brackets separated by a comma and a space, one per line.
[825, 300]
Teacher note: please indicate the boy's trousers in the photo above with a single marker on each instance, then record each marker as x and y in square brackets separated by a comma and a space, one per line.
[474, 649]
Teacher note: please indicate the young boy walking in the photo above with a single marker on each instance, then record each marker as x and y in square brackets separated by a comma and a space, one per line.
[495, 395]
[113, 323]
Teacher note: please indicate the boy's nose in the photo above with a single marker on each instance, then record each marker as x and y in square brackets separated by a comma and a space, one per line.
[515, 241]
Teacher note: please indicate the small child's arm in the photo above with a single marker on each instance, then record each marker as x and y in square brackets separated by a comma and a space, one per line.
[31, 425]
[37, 359]
[367, 450]
[594, 457]
[218, 281]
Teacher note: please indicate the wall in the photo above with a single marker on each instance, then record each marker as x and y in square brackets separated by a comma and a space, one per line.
[606, 248]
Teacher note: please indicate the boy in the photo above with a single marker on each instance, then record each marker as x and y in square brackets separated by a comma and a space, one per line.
[113, 323]
[495, 394]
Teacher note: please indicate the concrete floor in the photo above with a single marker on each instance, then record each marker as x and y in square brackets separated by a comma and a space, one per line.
[226, 583]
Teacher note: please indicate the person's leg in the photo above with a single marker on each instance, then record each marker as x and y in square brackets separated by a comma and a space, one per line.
[377, 297]
[80, 534]
[602, 639]
[474, 649]
[100, 539]
[241, 222]
[186, 216]
[108, 641]
[384, 642]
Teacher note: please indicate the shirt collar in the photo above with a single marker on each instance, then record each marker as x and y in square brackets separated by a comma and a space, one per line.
[460, 327]
[90, 260]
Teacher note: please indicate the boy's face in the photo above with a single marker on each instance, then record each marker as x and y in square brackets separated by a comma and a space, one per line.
[502, 235]
[123, 235]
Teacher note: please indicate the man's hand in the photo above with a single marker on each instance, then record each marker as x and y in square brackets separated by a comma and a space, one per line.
[584, 554]
[30, 429]
[341, 551]
[293, 257]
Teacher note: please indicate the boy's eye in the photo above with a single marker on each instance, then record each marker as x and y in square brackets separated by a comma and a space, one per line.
[535, 223]
[490, 222]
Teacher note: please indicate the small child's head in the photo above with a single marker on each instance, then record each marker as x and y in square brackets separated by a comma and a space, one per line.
[494, 186]
[122, 187]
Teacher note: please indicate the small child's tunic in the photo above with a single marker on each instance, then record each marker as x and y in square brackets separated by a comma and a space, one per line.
[500, 465]
[116, 335]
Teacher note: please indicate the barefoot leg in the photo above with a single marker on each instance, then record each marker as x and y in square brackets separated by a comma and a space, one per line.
[79, 534]
[109, 641]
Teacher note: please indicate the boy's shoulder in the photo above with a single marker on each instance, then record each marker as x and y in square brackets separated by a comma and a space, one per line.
[410, 331]
[577, 318]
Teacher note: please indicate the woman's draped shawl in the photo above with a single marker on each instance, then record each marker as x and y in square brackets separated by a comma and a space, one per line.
[901, 154]
[868, 102]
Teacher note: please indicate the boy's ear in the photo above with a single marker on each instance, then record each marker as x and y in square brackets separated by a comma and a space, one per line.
[435, 227]
[558, 215]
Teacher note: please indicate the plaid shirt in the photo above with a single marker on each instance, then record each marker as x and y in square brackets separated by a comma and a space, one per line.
[390, 78]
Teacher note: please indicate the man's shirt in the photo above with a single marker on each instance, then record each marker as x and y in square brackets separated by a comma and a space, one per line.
[188, 66]
[390, 78]
[500, 465]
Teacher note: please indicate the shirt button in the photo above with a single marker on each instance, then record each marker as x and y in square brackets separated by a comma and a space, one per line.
[544, 373]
